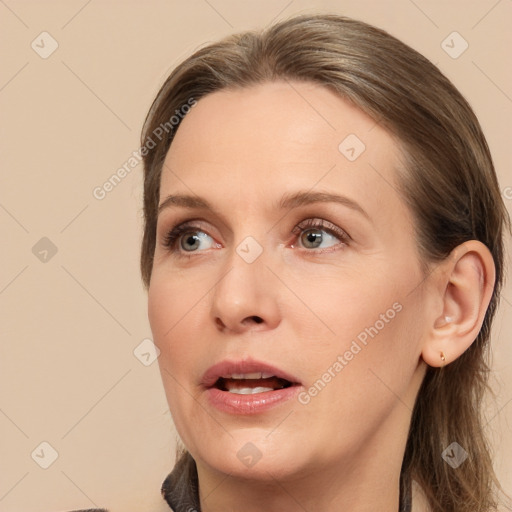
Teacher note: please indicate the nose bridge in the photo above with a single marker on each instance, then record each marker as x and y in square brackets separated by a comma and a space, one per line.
[245, 296]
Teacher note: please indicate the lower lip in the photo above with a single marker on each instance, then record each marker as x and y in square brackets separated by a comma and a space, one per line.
[234, 403]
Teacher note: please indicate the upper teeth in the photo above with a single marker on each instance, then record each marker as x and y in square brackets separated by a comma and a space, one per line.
[249, 391]
[255, 375]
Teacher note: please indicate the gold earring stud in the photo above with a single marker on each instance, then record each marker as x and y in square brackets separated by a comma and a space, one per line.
[443, 358]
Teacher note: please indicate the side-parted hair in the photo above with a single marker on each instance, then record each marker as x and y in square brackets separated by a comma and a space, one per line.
[448, 182]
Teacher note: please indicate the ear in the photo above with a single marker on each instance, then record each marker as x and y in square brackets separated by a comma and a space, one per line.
[465, 285]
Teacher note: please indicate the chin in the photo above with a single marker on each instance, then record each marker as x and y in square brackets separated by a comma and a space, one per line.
[253, 454]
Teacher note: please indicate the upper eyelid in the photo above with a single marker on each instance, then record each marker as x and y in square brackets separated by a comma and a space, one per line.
[317, 222]
[185, 217]
[315, 209]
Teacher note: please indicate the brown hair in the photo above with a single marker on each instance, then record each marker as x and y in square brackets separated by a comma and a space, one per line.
[450, 186]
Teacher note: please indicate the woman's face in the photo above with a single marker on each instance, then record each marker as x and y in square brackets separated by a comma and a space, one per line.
[305, 268]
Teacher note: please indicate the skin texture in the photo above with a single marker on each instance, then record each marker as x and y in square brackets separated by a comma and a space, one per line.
[242, 151]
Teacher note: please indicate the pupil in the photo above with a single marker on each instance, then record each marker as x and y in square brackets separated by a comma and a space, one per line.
[314, 238]
[193, 239]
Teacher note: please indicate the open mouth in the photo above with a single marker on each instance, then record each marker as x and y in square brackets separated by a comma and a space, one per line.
[247, 387]
[251, 383]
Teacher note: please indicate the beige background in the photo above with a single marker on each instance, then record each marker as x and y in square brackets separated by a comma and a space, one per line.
[69, 325]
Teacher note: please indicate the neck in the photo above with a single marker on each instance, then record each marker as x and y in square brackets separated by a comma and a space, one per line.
[331, 495]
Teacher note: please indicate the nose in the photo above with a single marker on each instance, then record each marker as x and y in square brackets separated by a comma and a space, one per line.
[246, 297]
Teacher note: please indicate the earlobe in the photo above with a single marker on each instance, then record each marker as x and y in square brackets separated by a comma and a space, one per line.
[465, 286]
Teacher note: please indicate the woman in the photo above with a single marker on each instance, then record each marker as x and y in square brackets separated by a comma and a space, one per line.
[323, 253]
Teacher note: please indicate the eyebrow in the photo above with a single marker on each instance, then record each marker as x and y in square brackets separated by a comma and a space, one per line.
[288, 201]
[303, 198]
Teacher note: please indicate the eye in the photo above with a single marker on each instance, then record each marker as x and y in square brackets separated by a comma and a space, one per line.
[190, 238]
[318, 233]
[312, 234]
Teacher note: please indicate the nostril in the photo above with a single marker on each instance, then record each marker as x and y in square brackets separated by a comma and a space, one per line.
[256, 319]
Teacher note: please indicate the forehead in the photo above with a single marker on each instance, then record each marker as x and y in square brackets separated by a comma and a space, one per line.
[282, 115]
[255, 144]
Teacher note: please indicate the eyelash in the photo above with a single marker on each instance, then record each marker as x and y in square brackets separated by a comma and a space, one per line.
[173, 236]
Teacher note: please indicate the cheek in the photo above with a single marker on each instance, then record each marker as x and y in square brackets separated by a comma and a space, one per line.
[172, 297]
[161, 310]
[354, 388]
[373, 362]
[170, 308]
[335, 310]
[172, 305]
[362, 329]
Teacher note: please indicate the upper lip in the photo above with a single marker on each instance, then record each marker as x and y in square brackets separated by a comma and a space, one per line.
[227, 368]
